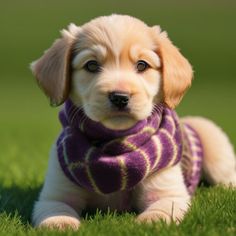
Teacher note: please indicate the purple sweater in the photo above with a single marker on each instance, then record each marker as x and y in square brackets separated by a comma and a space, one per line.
[105, 161]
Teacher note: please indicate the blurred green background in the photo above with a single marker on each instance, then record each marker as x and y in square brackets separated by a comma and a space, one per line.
[205, 31]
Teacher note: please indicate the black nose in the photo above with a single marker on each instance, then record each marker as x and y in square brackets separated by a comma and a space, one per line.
[119, 99]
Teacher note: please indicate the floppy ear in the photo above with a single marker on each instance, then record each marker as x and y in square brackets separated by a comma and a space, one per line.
[52, 70]
[177, 72]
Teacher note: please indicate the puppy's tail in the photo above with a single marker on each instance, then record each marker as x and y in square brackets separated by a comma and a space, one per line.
[219, 162]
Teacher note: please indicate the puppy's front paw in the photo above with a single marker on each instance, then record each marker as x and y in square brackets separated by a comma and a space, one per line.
[60, 222]
[165, 210]
[153, 216]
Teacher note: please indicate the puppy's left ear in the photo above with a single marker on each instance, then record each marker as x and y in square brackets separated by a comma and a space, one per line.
[52, 70]
[177, 72]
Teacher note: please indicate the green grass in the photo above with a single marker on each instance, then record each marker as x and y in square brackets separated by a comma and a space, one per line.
[212, 213]
[28, 126]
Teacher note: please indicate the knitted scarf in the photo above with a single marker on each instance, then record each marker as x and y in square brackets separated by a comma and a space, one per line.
[105, 160]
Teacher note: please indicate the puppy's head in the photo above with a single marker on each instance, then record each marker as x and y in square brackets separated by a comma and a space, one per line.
[115, 67]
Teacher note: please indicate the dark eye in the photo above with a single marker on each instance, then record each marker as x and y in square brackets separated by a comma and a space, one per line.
[92, 66]
[142, 66]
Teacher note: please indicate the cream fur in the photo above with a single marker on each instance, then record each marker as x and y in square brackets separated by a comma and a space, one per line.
[162, 195]
[219, 163]
[118, 57]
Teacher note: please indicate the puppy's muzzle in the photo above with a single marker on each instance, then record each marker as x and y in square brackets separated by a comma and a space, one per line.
[119, 99]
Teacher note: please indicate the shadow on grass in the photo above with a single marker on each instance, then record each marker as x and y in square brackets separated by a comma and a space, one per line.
[16, 200]
[19, 201]
[90, 214]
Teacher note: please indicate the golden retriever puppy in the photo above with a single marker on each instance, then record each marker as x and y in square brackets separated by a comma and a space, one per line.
[122, 145]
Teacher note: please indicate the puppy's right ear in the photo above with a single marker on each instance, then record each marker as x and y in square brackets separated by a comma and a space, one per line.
[52, 70]
[177, 72]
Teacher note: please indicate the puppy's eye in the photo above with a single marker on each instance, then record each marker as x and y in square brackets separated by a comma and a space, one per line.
[92, 66]
[142, 66]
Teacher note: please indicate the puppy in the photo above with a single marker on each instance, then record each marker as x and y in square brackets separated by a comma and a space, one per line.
[122, 145]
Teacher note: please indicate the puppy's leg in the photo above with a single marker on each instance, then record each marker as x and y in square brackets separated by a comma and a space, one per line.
[53, 214]
[60, 200]
[163, 196]
[219, 163]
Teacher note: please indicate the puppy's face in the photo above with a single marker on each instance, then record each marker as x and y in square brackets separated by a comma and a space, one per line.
[116, 67]
[116, 72]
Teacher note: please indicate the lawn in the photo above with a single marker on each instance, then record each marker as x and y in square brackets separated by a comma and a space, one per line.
[28, 126]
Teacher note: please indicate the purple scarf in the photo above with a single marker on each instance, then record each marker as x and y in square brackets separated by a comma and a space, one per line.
[105, 161]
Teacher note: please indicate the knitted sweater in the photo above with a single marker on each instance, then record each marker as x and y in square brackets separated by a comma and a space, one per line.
[105, 160]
